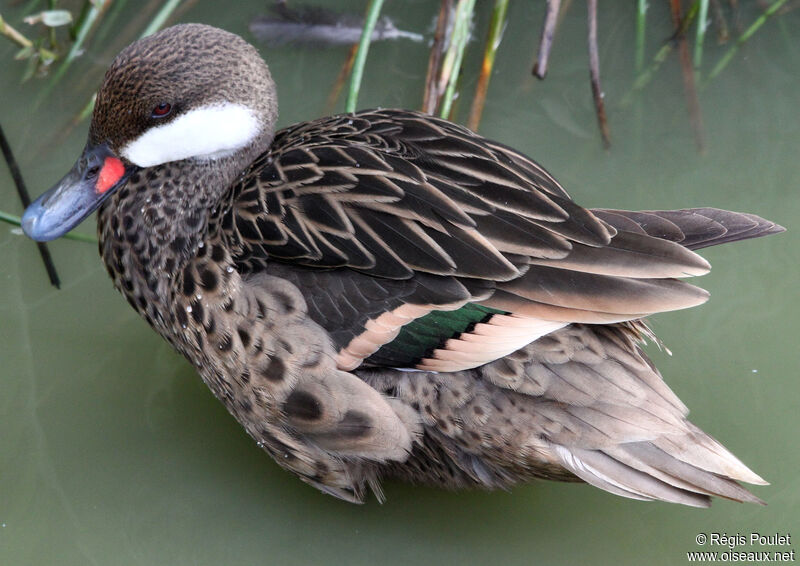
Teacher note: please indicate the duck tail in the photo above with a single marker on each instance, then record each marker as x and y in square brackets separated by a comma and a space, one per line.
[685, 469]
[693, 228]
[600, 410]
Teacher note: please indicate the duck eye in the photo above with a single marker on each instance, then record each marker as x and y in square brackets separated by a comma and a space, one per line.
[161, 110]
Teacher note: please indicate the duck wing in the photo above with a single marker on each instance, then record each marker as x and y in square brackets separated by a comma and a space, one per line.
[386, 219]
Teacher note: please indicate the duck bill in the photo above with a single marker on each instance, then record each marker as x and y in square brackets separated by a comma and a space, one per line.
[96, 175]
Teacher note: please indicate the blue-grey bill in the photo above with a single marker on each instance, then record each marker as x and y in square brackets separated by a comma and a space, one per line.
[75, 196]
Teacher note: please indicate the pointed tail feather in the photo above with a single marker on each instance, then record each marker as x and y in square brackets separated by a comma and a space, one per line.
[693, 228]
[603, 412]
[642, 470]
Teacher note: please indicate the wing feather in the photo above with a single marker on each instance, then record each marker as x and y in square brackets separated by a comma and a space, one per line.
[402, 196]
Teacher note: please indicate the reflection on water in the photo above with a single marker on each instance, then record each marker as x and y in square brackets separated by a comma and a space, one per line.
[112, 450]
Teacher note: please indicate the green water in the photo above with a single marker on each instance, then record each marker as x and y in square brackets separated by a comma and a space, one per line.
[113, 452]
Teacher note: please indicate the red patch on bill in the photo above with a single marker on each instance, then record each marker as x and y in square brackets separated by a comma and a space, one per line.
[112, 171]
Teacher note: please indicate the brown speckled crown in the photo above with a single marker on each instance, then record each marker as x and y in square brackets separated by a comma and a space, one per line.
[150, 71]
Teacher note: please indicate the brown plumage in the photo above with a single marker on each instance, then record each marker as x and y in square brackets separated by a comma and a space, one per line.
[305, 275]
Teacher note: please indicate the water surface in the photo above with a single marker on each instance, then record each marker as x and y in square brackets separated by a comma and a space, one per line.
[112, 451]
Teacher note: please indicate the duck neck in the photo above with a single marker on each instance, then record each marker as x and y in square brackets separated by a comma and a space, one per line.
[152, 227]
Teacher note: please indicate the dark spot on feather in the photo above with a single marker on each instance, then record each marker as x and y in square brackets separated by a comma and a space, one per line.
[178, 244]
[188, 282]
[478, 410]
[169, 265]
[262, 310]
[285, 301]
[152, 284]
[303, 405]
[218, 253]
[226, 343]
[197, 311]
[228, 305]
[354, 424]
[314, 359]
[208, 279]
[183, 320]
[274, 370]
[244, 336]
[245, 405]
[194, 221]
[210, 326]
[245, 376]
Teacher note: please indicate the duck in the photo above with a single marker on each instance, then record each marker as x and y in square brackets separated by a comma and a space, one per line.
[388, 295]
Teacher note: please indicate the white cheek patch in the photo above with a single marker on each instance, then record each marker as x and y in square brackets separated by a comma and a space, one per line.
[208, 132]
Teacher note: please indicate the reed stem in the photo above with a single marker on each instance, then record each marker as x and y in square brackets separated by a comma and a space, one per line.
[702, 26]
[13, 34]
[451, 66]
[85, 24]
[747, 34]
[594, 74]
[546, 41]
[431, 95]
[373, 12]
[644, 78]
[161, 17]
[641, 24]
[496, 27]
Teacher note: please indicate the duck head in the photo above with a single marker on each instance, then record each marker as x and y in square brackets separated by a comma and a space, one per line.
[188, 93]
